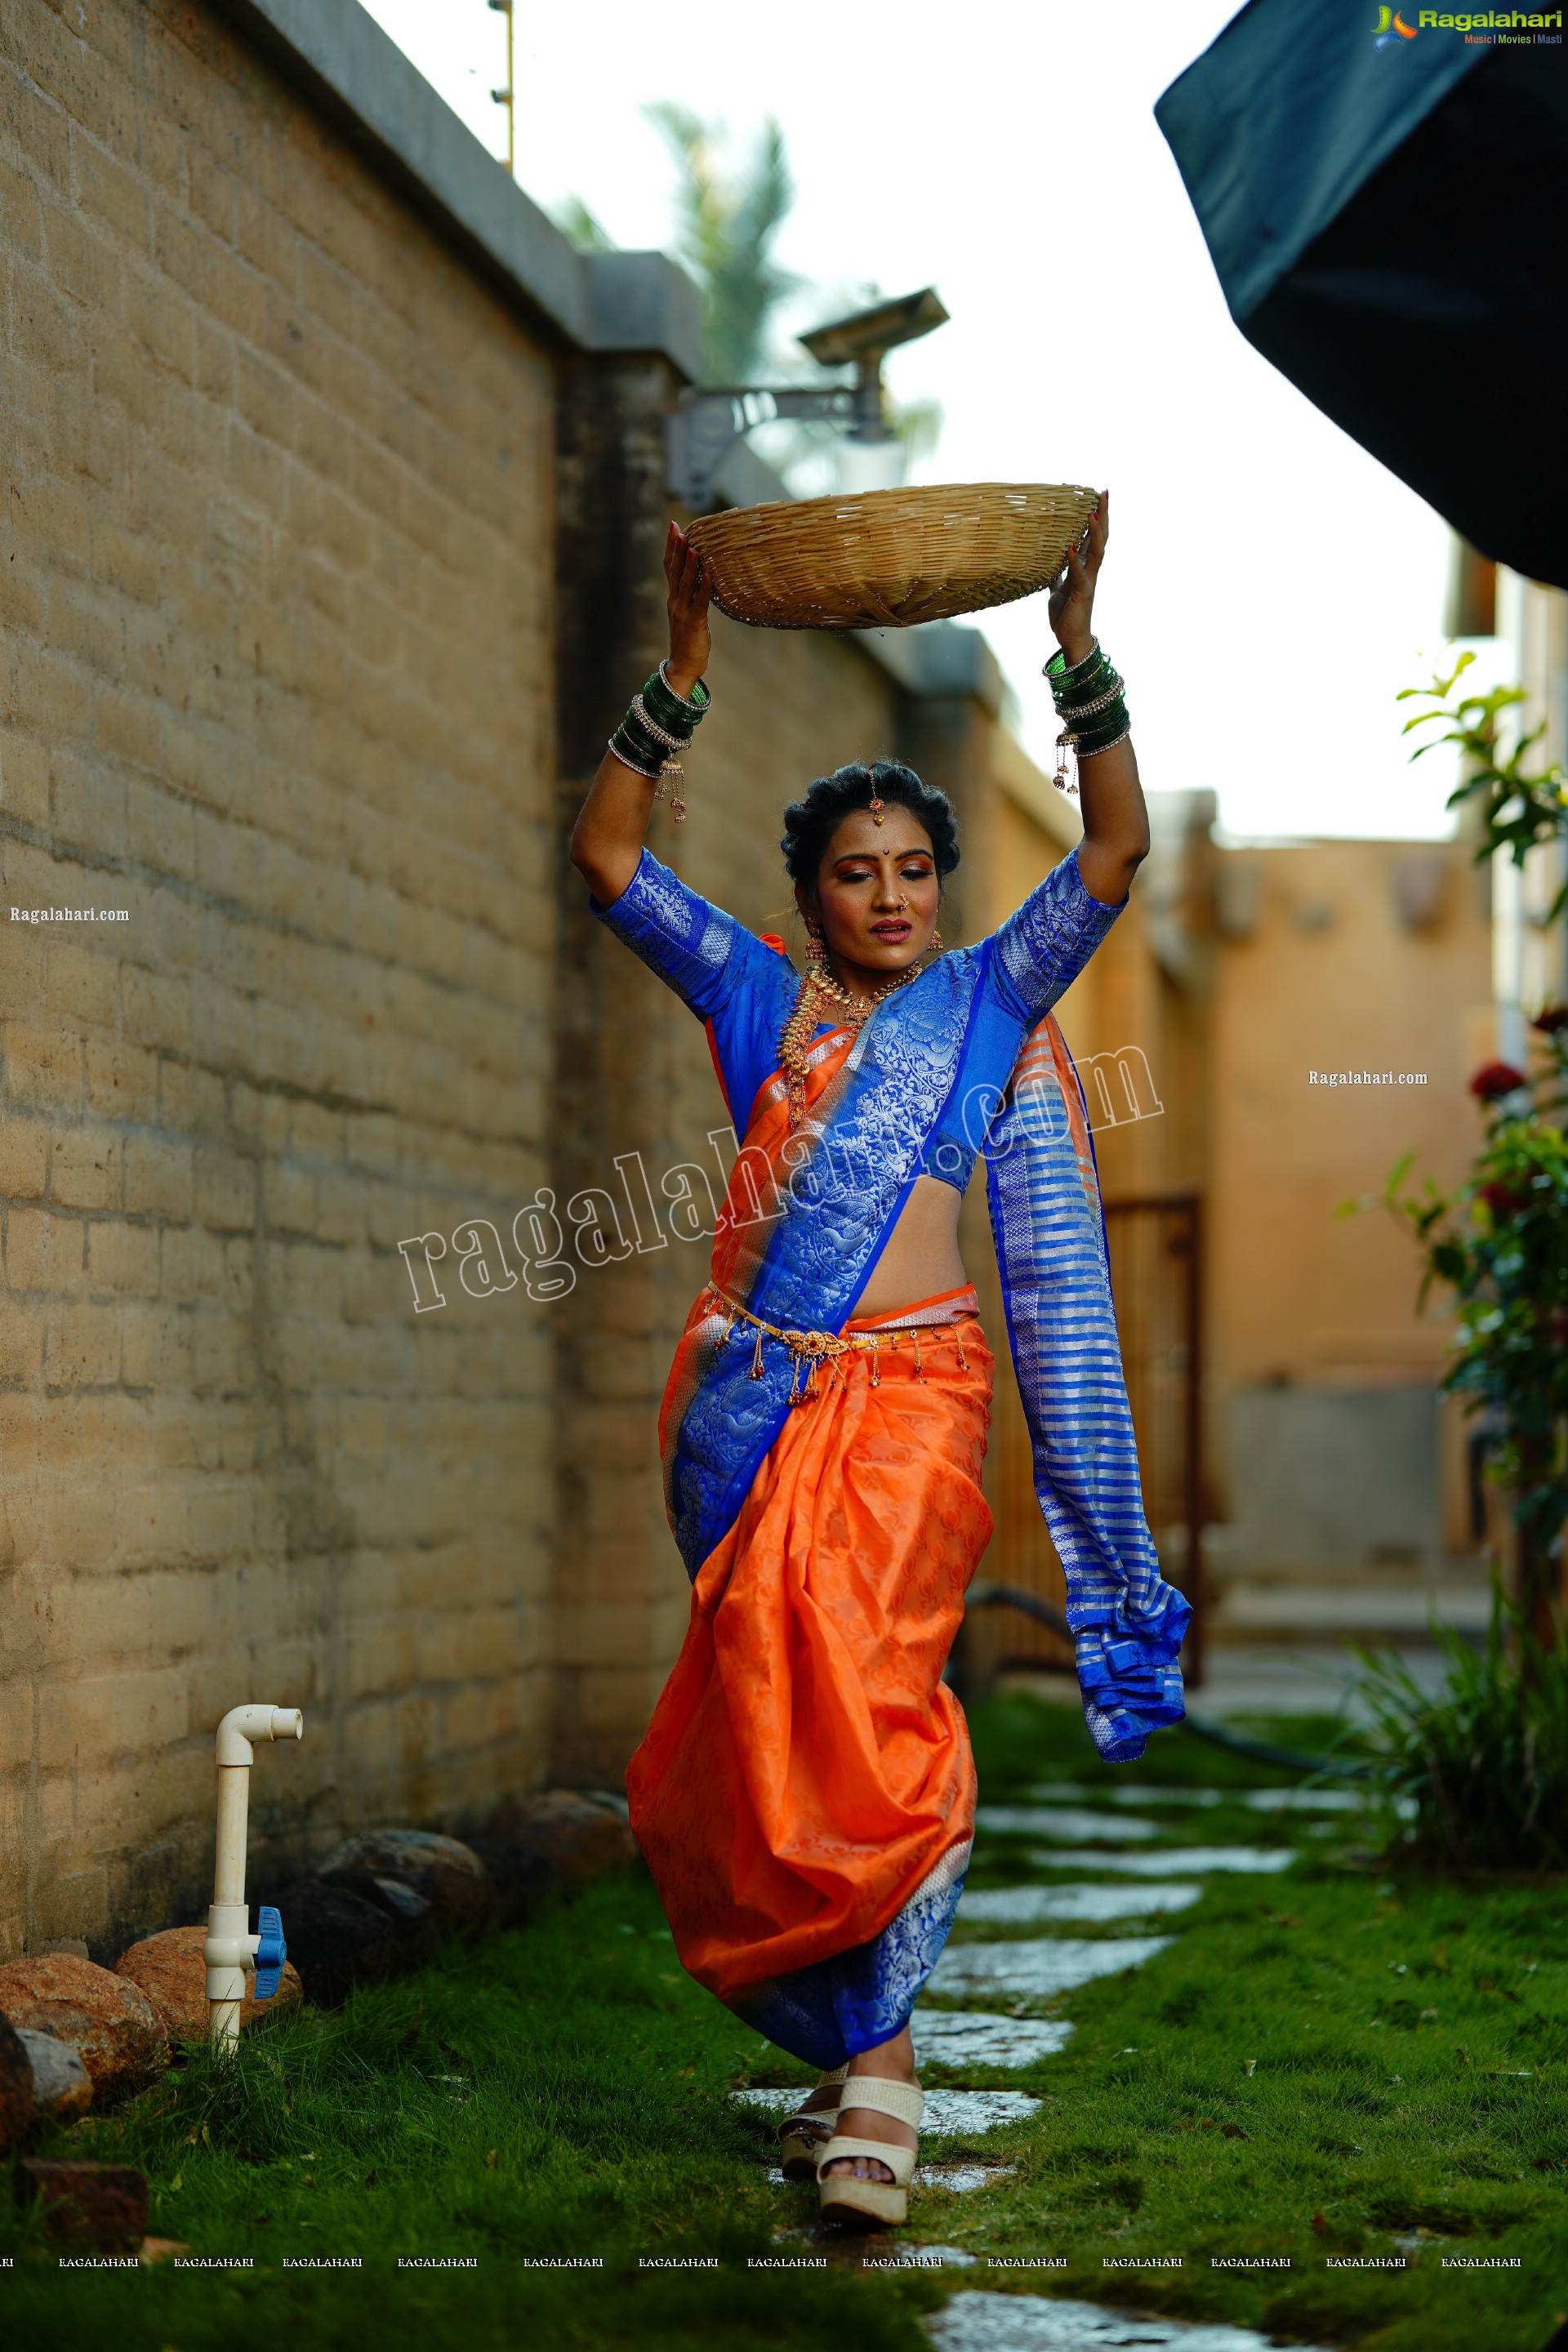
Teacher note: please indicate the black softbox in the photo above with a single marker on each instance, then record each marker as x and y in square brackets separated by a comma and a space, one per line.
[1385, 200]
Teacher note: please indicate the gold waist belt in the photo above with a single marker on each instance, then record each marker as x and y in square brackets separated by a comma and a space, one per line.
[813, 1348]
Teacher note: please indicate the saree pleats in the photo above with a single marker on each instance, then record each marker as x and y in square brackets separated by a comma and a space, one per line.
[804, 1795]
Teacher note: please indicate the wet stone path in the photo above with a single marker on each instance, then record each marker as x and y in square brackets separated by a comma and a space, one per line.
[1068, 1861]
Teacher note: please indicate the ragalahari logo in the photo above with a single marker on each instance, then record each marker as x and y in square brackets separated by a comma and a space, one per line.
[1391, 28]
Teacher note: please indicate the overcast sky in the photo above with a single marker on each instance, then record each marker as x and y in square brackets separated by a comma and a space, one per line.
[1269, 585]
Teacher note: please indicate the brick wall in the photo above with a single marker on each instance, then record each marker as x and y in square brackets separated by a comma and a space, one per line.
[276, 617]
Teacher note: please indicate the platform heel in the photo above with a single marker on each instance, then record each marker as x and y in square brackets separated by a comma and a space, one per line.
[871, 2204]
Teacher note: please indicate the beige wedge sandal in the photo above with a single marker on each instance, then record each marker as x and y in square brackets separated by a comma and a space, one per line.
[802, 2136]
[871, 2204]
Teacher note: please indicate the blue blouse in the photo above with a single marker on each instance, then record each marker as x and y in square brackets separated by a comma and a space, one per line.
[745, 991]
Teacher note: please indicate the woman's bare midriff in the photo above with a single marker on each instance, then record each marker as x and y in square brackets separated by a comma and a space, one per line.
[920, 1259]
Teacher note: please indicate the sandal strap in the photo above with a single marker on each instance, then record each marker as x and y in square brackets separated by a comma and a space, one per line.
[819, 2125]
[905, 2101]
[899, 2162]
[813, 2119]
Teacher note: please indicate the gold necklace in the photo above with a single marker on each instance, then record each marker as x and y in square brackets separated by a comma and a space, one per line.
[816, 988]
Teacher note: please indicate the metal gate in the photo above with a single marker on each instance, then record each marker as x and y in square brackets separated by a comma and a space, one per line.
[1156, 1280]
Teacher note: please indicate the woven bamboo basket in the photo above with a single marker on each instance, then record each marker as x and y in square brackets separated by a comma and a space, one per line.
[887, 559]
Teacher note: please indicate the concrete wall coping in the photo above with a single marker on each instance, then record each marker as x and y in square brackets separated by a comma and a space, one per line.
[357, 76]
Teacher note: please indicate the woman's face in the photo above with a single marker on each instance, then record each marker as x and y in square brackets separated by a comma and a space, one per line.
[877, 891]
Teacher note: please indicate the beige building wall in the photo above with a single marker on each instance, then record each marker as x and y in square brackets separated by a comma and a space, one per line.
[1339, 957]
[276, 619]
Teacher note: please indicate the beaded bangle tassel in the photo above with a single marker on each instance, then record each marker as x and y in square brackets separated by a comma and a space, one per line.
[656, 729]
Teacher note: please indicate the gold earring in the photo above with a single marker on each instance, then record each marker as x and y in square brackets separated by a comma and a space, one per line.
[815, 945]
[936, 942]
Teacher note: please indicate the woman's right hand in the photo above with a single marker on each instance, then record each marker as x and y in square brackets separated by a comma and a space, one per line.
[690, 589]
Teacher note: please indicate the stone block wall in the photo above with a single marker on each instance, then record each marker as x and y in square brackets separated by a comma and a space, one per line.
[277, 623]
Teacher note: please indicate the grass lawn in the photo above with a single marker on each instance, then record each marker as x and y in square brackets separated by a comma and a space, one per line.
[1333, 2060]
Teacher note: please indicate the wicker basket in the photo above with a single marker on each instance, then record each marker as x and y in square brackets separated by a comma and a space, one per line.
[890, 558]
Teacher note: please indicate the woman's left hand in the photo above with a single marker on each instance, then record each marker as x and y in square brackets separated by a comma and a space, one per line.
[1071, 605]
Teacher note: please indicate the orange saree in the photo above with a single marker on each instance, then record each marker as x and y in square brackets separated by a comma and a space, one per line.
[806, 1779]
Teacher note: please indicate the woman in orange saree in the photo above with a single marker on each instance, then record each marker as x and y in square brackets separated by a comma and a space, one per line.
[804, 1796]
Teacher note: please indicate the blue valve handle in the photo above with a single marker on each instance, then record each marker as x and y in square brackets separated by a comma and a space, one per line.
[270, 1952]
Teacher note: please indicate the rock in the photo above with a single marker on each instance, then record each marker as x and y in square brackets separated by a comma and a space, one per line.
[337, 1939]
[62, 2087]
[416, 1922]
[519, 1878]
[170, 1971]
[110, 2020]
[446, 1873]
[15, 2087]
[583, 1840]
[103, 2204]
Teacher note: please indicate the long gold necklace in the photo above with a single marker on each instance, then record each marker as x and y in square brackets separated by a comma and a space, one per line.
[819, 989]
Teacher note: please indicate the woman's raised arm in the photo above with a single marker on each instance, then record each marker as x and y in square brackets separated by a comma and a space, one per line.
[606, 843]
[1115, 820]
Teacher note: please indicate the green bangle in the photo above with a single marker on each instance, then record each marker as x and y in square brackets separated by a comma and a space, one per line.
[1061, 674]
[1109, 690]
[1107, 730]
[1090, 750]
[630, 757]
[647, 745]
[669, 709]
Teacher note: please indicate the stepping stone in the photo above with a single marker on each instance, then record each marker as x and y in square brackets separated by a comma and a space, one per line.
[1173, 1796]
[978, 2037]
[958, 2180]
[1024, 1906]
[1305, 1801]
[974, 2321]
[905, 2256]
[1199, 1858]
[1037, 1970]
[946, 2113]
[1066, 1824]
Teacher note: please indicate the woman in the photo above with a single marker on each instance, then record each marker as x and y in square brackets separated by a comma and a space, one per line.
[804, 1795]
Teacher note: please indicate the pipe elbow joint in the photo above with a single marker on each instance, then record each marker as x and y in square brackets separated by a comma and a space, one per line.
[241, 1725]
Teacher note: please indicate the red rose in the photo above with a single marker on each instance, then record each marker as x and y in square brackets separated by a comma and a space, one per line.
[1555, 1017]
[1504, 1200]
[1497, 1078]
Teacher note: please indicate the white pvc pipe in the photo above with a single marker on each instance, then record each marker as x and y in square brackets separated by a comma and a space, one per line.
[230, 1946]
